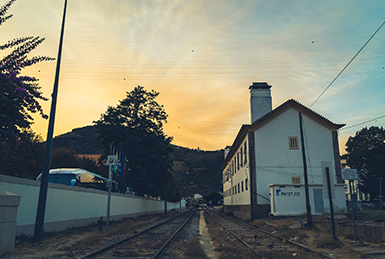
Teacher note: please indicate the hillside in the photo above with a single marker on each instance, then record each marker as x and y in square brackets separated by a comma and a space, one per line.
[83, 140]
[196, 171]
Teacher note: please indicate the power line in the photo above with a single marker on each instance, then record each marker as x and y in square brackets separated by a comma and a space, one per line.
[347, 64]
[364, 122]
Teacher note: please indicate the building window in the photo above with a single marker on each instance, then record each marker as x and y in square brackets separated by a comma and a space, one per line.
[246, 184]
[245, 151]
[293, 142]
[241, 156]
[239, 189]
[296, 179]
[242, 186]
[238, 161]
[235, 164]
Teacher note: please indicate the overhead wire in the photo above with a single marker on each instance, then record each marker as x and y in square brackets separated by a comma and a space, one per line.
[347, 64]
[361, 123]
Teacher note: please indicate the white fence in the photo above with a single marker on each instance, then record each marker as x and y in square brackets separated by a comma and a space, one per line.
[71, 206]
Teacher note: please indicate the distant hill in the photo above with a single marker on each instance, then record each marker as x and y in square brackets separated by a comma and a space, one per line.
[196, 171]
[83, 140]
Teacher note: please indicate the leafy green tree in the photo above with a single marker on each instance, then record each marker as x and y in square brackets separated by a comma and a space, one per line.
[172, 188]
[20, 95]
[25, 159]
[135, 127]
[366, 153]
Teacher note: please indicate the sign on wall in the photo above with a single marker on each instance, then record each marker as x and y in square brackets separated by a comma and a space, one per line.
[349, 174]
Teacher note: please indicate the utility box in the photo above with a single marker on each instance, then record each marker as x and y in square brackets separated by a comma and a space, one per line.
[9, 204]
[290, 199]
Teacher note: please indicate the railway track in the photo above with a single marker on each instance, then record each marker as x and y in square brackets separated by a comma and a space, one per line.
[149, 243]
[261, 243]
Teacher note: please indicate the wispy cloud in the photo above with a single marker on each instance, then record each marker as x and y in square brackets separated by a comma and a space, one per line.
[203, 55]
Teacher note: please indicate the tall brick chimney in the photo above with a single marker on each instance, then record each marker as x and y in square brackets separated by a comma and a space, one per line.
[260, 100]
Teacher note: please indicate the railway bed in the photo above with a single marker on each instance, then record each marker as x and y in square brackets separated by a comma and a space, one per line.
[149, 243]
[258, 242]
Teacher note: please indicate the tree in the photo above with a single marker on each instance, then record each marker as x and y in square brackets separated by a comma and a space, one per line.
[20, 95]
[135, 127]
[366, 153]
[24, 159]
[67, 158]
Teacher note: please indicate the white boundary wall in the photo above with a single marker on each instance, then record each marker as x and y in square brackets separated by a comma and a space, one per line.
[71, 206]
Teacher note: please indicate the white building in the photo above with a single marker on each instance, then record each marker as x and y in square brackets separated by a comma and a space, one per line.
[267, 155]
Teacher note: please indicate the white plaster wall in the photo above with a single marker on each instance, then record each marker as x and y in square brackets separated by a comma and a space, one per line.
[276, 163]
[69, 206]
[227, 197]
[295, 203]
[260, 103]
[242, 197]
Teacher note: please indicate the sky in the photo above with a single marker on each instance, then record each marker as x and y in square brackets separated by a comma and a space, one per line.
[202, 56]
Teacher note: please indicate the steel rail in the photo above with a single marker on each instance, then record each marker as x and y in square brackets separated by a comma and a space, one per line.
[172, 237]
[232, 233]
[281, 238]
[109, 247]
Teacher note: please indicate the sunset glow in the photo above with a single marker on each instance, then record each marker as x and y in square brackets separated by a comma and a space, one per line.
[203, 55]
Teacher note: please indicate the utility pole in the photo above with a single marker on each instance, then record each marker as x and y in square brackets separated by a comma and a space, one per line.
[352, 204]
[330, 203]
[308, 208]
[40, 213]
[380, 193]
[111, 161]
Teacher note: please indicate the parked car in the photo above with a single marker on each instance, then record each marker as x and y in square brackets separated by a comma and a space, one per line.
[79, 177]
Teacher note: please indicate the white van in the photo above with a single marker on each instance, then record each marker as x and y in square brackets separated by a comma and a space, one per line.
[79, 177]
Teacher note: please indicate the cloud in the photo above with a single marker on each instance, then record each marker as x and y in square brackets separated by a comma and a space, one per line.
[203, 55]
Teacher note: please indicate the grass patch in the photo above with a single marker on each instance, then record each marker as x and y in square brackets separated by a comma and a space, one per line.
[233, 250]
[293, 233]
[192, 249]
[375, 215]
[328, 243]
[349, 236]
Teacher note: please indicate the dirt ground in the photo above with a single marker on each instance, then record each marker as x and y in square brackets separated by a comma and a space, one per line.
[320, 238]
[78, 242]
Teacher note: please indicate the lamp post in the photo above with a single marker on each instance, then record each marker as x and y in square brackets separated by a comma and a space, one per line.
[39, 223]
